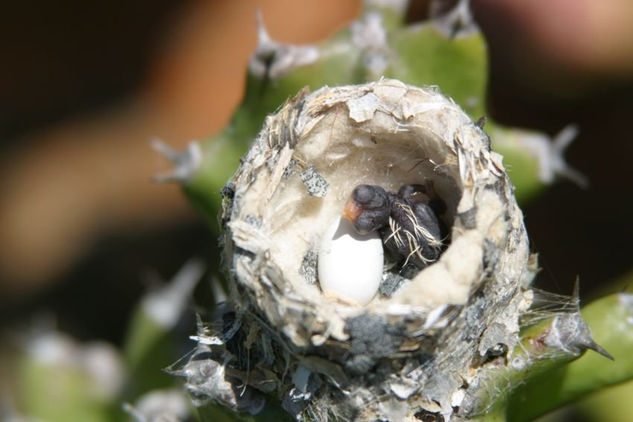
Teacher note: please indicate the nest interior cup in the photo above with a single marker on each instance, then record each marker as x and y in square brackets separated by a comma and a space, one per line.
[294, 182]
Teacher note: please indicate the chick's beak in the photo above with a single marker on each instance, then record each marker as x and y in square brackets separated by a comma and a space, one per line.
[351, 211]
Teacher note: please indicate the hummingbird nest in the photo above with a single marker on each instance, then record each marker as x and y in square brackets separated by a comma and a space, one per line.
[411, 349]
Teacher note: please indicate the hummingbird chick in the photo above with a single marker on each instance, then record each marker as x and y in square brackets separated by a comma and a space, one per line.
[407, 221]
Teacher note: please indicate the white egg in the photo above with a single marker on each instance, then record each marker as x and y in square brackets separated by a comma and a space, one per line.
[350, 265]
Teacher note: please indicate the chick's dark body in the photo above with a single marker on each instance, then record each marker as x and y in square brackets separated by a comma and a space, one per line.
[407, 221]
[413, 235]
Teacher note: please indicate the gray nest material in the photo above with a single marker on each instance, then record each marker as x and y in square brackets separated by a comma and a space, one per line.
[412, 352]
